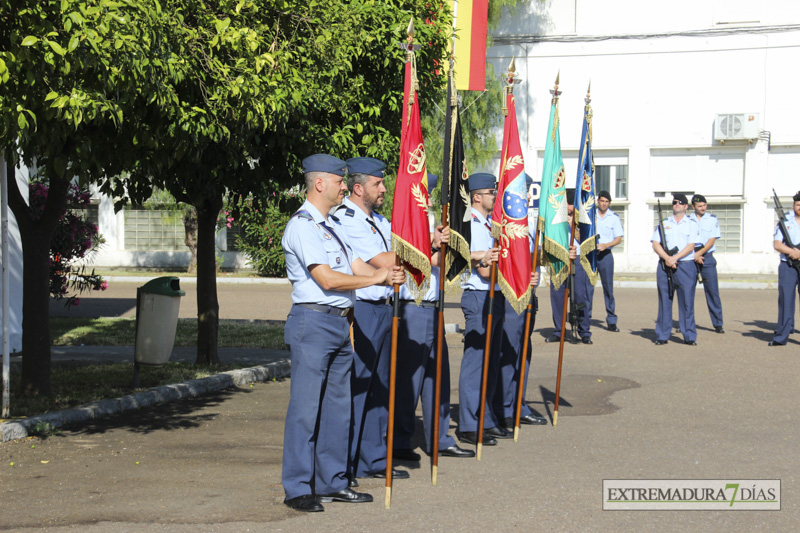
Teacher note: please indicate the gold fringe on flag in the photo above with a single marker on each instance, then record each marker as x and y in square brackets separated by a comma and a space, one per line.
[410, 255]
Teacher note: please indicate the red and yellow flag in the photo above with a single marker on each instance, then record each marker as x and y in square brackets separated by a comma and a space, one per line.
[411, 238]
[471, 18]
[510, 217]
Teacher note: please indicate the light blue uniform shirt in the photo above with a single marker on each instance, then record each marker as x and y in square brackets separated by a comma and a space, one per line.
[480, 242]
[305, 243]
[433, 291]
[609, 227]
[367, 240]
[679, 234]
[709, 227]
[792, 228]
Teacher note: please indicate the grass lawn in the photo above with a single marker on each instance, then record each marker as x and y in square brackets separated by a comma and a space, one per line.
[73, 331]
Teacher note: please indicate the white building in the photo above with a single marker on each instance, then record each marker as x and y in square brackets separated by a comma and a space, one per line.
[669, 82]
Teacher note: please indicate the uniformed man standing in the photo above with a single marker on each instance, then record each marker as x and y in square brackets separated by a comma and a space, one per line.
[704, 258]
[787, 275]
[324, 271]
[609, 231]
[681, 233]
[475, 305]
[370, 234]
[416, 365]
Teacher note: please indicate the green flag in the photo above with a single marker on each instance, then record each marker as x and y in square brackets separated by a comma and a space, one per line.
[553, 222]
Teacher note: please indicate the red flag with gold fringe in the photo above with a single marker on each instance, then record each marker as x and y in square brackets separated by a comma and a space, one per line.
[411, 238]
[510, 217]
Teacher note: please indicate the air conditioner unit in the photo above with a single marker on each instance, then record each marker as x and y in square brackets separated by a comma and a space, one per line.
[736, 127]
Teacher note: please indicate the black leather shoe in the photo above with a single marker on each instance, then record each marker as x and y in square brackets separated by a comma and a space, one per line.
[587, 340]
[396, 474]
[661, 343]
[306, 503]
[719, 329]
[532, 420]
[773, 343]
[553, 338]
[352, 482]
[456, 451]
[498, 433]
[690, 343]
[613, 327]
[471, 437]
[345, 495]
[404, 454]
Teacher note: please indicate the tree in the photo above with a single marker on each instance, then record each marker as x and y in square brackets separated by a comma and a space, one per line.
[269, 83]
[68, 71]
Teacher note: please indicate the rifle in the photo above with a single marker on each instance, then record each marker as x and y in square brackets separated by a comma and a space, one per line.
[794, 263]
[700, 279]
[670, 251]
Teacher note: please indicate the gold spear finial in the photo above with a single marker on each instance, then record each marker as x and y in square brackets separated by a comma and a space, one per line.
[410, 31]
[558, 76]
[554, 91]
[513, 66]
[588, 98]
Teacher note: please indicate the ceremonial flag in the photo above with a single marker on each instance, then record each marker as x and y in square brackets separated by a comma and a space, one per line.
[553, 222]
[510, 217]
[459, 216]
[470, 19]
[585, 200]
[411, 238]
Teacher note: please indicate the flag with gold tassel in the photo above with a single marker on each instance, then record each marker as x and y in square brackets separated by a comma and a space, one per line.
[510, 215]
[553, 215]
[411, 238]
[585, 198]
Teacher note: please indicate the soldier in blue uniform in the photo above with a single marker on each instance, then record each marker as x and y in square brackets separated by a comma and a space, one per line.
[475, 305]
[704, 258]
[324, 270]
[416, 365]
[609, 231]
[582, 289]
[683, 233]
[370, 235]
[787, 275]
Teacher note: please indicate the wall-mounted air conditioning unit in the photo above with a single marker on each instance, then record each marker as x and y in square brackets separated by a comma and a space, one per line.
[736, 127]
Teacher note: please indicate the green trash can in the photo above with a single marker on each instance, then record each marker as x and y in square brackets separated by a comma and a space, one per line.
[157, 305]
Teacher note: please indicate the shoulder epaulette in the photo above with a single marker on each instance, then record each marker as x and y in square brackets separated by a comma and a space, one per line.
[349, 211]
[304, 214]
[712, 215]
[615, 214]
[476, 219]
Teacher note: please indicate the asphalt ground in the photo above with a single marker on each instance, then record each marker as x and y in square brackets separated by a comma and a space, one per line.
[628, 410]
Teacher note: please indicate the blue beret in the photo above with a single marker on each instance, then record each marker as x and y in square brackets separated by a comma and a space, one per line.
[698, 198]
[528, 181]
[680, 197]
[366, 165]
[324, 163]
[481, 180]
[570, 196]
[433, 179]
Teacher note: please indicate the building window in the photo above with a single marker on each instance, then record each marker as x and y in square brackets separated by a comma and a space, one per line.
[619, 210]
[148, 230]
[730, 224]
[612, 178]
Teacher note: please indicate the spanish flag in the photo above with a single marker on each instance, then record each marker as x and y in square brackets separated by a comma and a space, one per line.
[471, 18]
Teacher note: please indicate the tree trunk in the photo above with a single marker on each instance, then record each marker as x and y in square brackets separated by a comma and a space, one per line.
[36, 236]
[207, 303]
[190, 237]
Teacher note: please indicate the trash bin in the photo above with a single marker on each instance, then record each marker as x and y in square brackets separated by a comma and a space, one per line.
[157, 304]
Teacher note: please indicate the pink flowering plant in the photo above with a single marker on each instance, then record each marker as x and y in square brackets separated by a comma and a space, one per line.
[75, 239]
[261, 222]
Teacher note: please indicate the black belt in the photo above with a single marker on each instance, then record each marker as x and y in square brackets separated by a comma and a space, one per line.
[377, 302]
[328, 309]
[421, 304]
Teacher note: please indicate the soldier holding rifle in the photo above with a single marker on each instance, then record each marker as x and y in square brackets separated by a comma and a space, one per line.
[681, 235]
[787, 237]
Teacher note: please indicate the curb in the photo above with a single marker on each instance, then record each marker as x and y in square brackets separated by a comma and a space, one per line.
[20, 429]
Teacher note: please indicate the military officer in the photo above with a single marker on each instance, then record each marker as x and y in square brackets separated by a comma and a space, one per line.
[704, 258]
[475, 305]
[370, 234]
[681, 233]
[609, 231]
[787, 275]
[582, 289]
[324, 270]
[416, 365]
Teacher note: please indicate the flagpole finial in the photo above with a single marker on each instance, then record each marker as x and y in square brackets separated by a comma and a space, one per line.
[513, 66]
[410, 31]
[554, 91]
[588, 98]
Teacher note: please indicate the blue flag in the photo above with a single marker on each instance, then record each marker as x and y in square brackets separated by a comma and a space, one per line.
[585, 200]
